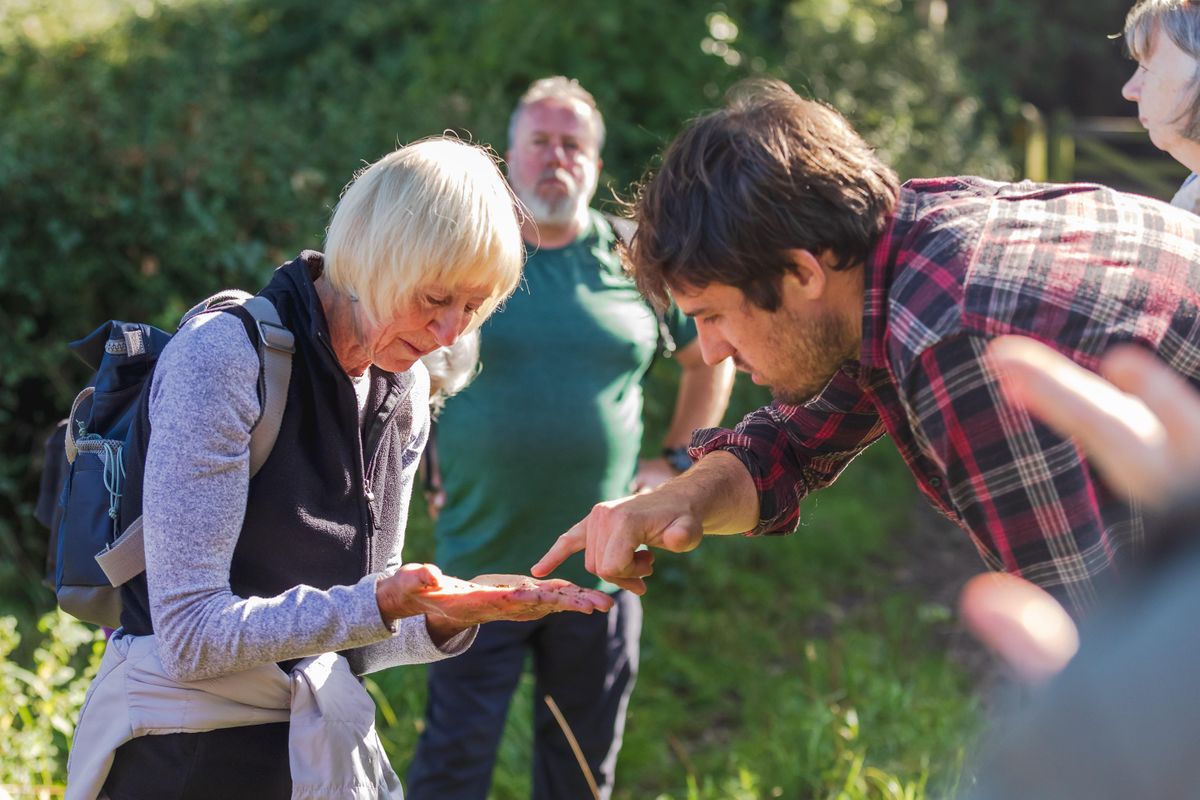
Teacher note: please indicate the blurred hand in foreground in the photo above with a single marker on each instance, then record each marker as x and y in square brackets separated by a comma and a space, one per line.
[1020, 623]
[1138, 421]
[1139, 424]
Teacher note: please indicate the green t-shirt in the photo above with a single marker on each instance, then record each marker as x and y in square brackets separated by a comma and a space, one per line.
[553, 423]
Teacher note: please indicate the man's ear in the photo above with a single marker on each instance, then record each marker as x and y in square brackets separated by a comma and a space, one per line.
[808, 277]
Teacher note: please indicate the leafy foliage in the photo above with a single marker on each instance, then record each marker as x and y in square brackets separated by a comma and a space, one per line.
[785, 667]
[153, 151]
[1058, 56]
[158, 150]
[39, 704]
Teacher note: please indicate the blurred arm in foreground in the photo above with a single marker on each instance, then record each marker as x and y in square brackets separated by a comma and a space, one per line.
[1138, 422]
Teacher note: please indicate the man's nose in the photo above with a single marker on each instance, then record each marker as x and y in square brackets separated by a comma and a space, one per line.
[713, 346]
[556, 154]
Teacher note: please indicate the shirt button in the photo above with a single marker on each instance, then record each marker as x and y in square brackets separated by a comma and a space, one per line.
[935, 482]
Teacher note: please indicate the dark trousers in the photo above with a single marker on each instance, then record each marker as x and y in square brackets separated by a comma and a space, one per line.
[588, 664]
[250, 762]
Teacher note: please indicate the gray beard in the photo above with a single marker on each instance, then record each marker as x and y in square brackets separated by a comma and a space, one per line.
[558, 212]
[550, 212]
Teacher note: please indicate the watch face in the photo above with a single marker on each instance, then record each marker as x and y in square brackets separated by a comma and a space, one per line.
[678, 458]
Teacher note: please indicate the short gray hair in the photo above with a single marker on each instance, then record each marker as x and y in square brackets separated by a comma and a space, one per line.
[558, 87]
[1180, 20]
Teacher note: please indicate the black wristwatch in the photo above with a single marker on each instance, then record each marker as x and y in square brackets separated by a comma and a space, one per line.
[678, 458]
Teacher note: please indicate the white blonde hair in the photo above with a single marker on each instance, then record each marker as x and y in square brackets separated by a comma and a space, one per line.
[434, 212]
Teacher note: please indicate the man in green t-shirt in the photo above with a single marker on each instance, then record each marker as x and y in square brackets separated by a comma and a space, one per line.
[550, 427]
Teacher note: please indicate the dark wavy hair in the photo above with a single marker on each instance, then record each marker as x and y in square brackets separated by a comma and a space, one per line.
[768, 173]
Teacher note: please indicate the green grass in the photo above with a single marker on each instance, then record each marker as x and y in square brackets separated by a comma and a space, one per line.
[790, 667]
[780, 667]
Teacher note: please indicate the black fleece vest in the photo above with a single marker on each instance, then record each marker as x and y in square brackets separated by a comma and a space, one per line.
[326, 508]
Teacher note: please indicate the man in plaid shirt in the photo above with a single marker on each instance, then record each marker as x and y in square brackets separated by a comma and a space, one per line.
[866, 307]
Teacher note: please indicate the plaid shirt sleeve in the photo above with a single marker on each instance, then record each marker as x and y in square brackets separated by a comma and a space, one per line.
[791, 450]
[1025, 494]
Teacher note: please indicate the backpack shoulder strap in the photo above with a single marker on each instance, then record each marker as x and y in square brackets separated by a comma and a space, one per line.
[125, 558]
[276, 344]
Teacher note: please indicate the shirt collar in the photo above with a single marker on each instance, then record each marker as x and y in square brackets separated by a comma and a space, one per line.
[877, 275]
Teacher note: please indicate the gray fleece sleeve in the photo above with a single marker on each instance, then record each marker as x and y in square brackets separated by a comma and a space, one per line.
[203, 403]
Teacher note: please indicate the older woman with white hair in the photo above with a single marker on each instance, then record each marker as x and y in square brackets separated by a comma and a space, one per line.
[264, 597]
[1163, 36]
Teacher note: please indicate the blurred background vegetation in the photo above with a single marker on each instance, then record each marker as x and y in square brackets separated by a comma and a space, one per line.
[154, 151]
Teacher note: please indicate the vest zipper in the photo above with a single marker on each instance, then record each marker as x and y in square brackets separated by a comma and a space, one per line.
[368, 496]
[368, 500]
[390, 408]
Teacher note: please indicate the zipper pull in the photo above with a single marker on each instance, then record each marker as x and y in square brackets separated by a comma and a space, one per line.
[370, 495]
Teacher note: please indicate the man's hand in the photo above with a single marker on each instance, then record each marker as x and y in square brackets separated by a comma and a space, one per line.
[614, 531]
[434, 502]
[451, 605]
[651, 473]
[1140, 427]
[715, 496]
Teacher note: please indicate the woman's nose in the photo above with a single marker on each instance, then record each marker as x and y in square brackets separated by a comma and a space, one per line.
[447, 326]
[1132, 89]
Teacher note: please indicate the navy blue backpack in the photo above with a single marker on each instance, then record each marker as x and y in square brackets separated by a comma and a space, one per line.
[89, 556]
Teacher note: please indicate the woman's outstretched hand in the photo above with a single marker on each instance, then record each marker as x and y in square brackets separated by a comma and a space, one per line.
[451, 605]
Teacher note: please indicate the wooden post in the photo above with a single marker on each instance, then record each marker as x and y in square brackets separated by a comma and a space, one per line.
[1033, 130]
[933, 13]
[1062, 147]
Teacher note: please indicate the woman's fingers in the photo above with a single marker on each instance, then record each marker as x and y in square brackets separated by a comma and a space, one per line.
[420, 576]
[398, 594]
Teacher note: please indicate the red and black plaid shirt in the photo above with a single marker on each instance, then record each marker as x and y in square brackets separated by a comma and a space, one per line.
[1079, 267]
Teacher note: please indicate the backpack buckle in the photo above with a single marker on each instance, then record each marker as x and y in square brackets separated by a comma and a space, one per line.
[276, 337]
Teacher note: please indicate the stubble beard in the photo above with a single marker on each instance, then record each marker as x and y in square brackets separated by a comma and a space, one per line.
[812, 350]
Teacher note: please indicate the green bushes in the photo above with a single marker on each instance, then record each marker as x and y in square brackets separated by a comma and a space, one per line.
[153, 151]
[39, 705]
